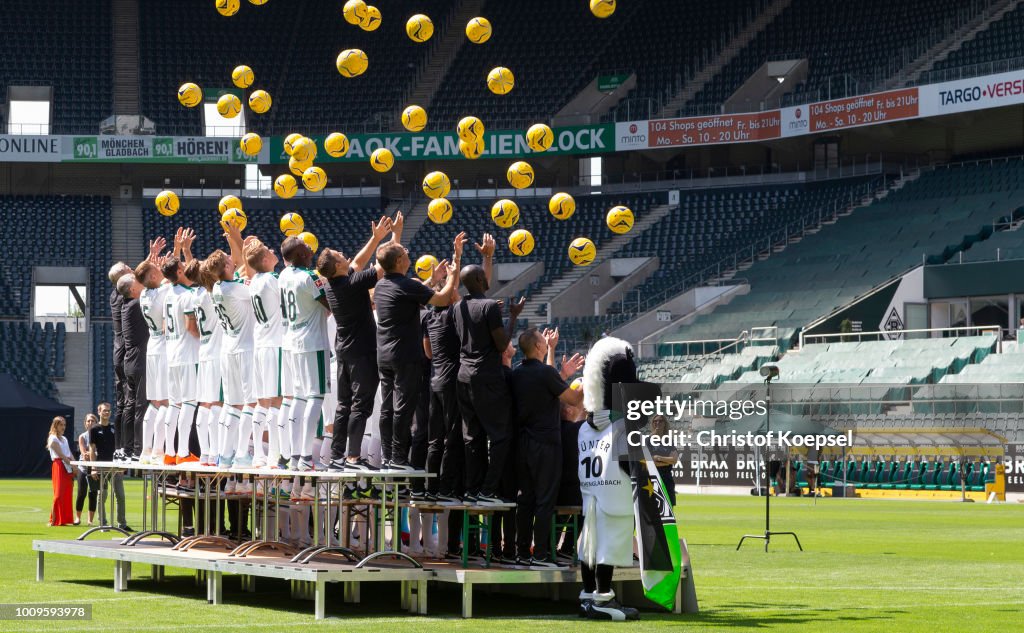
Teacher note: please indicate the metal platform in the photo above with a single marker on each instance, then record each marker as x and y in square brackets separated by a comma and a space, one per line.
[310, 579]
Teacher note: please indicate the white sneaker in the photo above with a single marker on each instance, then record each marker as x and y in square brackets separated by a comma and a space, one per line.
[230, 487]
[244, 488]
[307, 493]
[286, 487]
[259, 462]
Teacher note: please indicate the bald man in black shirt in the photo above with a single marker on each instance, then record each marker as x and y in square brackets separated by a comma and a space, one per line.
[482, 393]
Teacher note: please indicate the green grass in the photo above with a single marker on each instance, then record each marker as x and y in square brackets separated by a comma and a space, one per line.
[868, 566]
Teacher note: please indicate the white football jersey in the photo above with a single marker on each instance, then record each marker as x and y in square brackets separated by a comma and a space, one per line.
[152, 304]
[233, 303]
[598, 465]
[210, 329]
[268, 307]
[301, 289]
[182, 347]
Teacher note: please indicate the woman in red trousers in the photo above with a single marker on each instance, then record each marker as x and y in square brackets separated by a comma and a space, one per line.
[60, 471]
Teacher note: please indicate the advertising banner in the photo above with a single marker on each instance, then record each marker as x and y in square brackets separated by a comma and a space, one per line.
[30, 149]
[153, 149]
[587, 139]
[978, 93]
[714, 130]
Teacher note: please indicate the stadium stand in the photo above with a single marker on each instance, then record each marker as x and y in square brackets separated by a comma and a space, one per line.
[102, 361]
[1001, 40]
[32, 354]
[928, 220]
[77, 230]
[81, 74]
[707, 227]
[913, 361]
[293, 63]
[892, 474]
[707, 371]
[838, 40]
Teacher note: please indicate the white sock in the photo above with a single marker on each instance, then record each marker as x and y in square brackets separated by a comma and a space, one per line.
[232, 421]
[259, 424]
[170, 426]
[223, 431]
[148, 421]
[274, 450]
[310, 420]
[159, 430]
[185, 418]
[325, 448]
[284, 437]
[214, 430]
[295, 426]
[244, 432]
[203, 430]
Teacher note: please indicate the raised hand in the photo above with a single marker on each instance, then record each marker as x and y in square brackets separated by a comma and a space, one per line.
[487, 248]
[156, 246]
[516, 307]
[551, 336]
[398, 223]
[187, 237]
[380, 228]
[231, 232]
[460, 243]
[572, 365]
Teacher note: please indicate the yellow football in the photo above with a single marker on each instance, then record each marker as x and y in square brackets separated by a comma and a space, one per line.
[505, 213]
[229, 106]
[352, 62]
[602, 8]
[354, 11]
[562, 206]
[619, 219]
[336, 144]
[167, 203]
[472, 150]
[425, 266]
[229, 202]
[419, 28]
[371, 21]
[414, 118]
[285, 186]
[582, 251]
[520, 242]
[310, 240]
[190, 95]
[539, 137]
[470, 129]
[520, 174]
[227, 8]
[382, 160]
[436, 184]
[292, 224]
[260, 101]
[242, 76]
[236, 217]
[439, 210]
[314, 179]
[500, 80]
[251, 144]
[478, 30]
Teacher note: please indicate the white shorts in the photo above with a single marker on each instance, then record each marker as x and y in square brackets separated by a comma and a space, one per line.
[609, 537]
[331, 397]
[182, 383]
[211, 386]
[156, 378]
[311, 373]
[267, 372]
[287, 374]
[237, 376]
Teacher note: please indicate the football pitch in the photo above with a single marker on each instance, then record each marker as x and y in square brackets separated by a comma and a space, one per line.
[868, 566]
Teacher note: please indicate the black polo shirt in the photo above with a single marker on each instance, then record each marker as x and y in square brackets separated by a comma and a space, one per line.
[349, 298]
[535, 390]
[136, 334]
[102, 437]
[399, 331]
[444, 347]
[475, 317]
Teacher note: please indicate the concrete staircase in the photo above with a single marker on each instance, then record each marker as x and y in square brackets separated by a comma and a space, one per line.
[941, 50]
[415, 217]
[125, 18]
[75, 389]
[540, 299]
[722, 59]
[127, 243]
[443, 54]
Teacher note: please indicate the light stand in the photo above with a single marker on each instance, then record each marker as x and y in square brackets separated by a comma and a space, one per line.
[769, 372]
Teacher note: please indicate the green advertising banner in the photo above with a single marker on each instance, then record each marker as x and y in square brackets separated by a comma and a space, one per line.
[154, 149]
[607, 83]
[585, 139]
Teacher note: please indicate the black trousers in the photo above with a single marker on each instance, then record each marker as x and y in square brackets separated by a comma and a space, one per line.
[399, 391]
[484, 404]
[357, 387]
[447, 457]
[421, 432]
[540, 472]
[87, 486]
[135, 405]
[118, 407]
